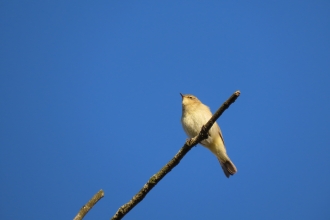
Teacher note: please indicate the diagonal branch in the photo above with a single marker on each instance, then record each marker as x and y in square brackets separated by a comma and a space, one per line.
[123, 210]
[89, 205]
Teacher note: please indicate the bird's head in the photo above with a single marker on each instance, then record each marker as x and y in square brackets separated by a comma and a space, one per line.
[189, 100]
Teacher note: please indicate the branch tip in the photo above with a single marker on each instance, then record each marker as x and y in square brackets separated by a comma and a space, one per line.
[89, 205]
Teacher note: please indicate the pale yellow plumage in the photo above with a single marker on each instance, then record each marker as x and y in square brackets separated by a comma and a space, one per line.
[194, 115]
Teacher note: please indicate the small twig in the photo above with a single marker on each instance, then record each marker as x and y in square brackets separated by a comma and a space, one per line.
[123, 210]
[89, 205]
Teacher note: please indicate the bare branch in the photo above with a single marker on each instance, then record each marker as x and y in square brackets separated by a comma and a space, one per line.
[123, 210]
[89, 205]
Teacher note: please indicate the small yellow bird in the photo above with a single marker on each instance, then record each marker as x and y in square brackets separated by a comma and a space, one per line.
[194, 115]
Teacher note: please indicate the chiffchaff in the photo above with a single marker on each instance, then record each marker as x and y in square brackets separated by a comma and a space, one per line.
[194, 115]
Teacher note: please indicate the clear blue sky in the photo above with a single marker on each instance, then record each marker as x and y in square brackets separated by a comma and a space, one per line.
[90, 100]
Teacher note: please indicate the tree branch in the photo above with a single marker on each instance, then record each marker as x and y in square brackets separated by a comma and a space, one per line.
[123, 210]
[89, 205]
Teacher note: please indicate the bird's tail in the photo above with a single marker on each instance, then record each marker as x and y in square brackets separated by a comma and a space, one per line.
[228, 167]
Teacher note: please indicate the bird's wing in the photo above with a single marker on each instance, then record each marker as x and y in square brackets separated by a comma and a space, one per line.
[223, 140]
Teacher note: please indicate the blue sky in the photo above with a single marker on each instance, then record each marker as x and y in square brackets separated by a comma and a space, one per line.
[90, 100]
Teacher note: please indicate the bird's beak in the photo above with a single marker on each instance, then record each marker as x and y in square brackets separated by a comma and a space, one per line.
[181, 95]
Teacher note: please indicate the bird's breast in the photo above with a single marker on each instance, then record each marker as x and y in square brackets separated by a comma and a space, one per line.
[192, 121]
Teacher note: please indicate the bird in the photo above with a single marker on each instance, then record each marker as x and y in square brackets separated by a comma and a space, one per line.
[195, 115]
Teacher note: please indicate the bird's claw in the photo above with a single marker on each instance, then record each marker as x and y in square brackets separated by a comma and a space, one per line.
[188, 141]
